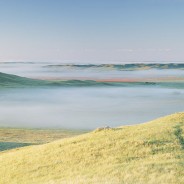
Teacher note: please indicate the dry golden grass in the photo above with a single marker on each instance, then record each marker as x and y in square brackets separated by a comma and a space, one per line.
[150, 153]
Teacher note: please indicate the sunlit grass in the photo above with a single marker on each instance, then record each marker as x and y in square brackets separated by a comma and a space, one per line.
[150, 153]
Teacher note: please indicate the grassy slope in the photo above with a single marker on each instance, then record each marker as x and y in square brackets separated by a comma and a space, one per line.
[141, 154]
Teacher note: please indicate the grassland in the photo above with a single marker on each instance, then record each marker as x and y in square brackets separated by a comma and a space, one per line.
[14, 138]
[149, 153]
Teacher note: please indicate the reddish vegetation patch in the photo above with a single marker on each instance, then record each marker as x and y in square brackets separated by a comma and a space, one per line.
[116, 80]
[151, 79]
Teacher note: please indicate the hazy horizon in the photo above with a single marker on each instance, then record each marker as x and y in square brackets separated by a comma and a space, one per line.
[88, 107]
[89, 62]
[40, 32]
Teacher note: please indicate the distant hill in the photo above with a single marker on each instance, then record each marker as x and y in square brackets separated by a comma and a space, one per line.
[14, 81]
[136, 66]
[148, 153]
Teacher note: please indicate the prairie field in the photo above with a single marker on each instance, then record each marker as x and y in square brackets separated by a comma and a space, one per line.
[147, 153]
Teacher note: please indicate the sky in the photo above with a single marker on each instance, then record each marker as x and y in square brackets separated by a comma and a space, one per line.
[92, 31]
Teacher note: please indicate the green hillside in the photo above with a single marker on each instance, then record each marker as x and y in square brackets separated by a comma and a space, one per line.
[8, 80]
[149, 153]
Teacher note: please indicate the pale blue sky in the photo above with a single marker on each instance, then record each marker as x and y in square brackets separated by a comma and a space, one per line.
[92, 30]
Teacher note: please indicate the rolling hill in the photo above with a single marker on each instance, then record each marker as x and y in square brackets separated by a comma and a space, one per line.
[14, 81]
[147, 153]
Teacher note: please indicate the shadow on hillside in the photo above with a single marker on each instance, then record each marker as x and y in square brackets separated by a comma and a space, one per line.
[10, 145]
